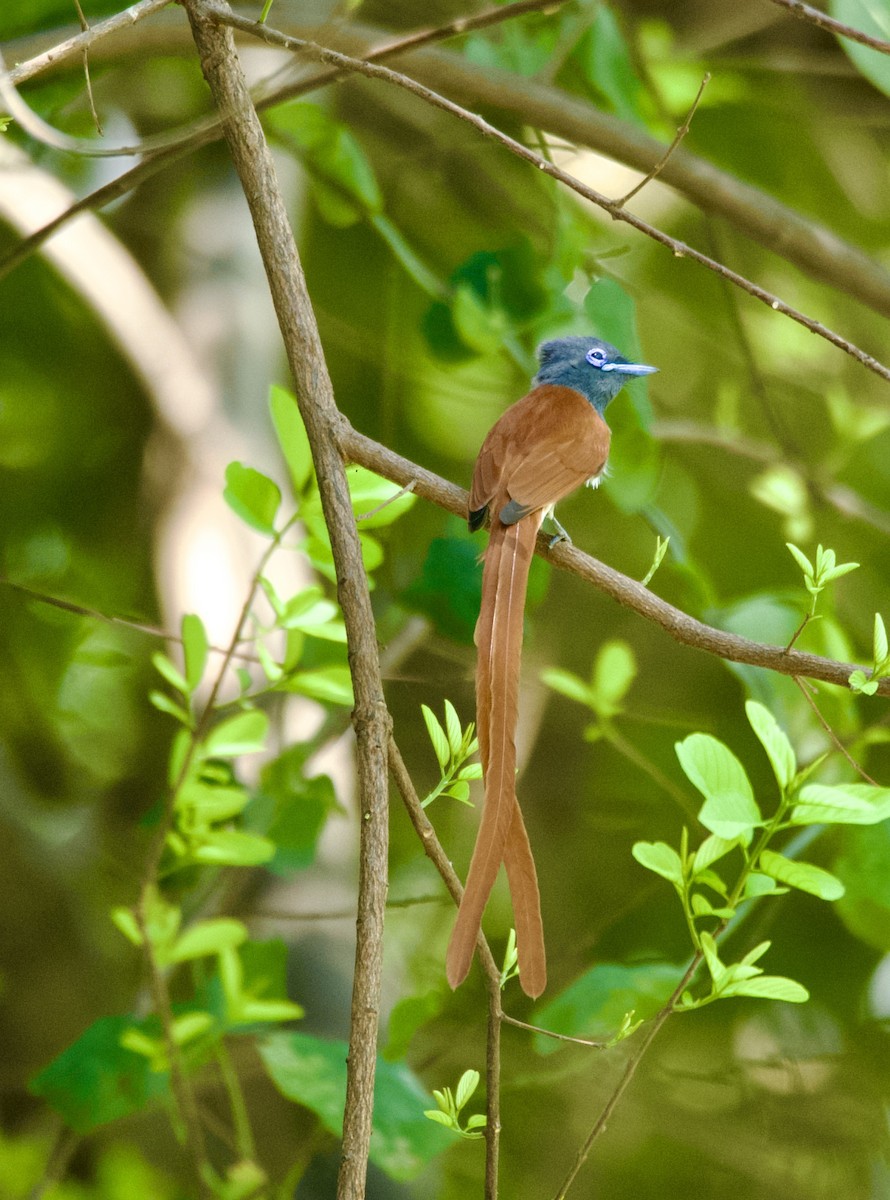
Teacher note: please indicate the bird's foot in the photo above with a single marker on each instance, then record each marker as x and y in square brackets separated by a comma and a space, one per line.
[560, 535]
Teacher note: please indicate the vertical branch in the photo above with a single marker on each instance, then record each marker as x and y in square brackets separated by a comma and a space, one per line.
[324, 423]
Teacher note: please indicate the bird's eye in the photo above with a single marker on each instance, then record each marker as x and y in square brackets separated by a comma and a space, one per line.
[596, 358]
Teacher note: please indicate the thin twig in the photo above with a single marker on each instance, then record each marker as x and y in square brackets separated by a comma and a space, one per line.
[85, 54]
[559, 1037]
[82, 41]
[648, 1036]
[409, 487]
[806, 13]
[679, 249]
[81, 610]
[836, 741]
[668, 154]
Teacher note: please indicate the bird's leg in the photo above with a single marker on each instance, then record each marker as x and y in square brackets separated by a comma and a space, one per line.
[560, 535]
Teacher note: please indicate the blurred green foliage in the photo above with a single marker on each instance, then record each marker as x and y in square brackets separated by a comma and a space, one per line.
[436, 263]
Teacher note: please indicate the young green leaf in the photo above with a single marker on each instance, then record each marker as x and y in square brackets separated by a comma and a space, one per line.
[841, 804]
[162, 702]
[252, 496]
[613, 673]
[660, 858]
[803, 876]
[291, 435]
[730, 809]
[801, 559]
[245, 733]
[437, 736]
[770, 987]
[330, 685]
[453, 729]
[171, 673]
[194, 645]
[879, 643]
[569, 685]
[710, 851]
[207, 937]
[774, 741]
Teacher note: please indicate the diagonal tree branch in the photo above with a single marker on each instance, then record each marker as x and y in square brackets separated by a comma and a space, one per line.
[627, 592]
[813, 15]
[323, 422]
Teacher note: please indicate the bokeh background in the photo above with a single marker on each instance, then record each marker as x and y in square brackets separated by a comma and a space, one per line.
[137, 349]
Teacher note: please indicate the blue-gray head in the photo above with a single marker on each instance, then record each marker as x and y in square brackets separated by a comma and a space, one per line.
[588, 365]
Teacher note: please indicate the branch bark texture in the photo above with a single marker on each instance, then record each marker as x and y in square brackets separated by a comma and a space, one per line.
[323, 423]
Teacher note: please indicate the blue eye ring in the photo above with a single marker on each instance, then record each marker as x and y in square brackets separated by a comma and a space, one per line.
[596, 357]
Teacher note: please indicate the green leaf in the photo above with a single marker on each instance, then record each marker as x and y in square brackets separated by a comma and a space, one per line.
[245, 733]
[729, 810]
[596, 1004]
[292, 438]
[568, 684]
[252, 496]
[312, 1071]
[466, 1086]
[162, 702]
[803, 876]
[770, 987]
[96, 1080]
[710, 851]
[863, 866]
[207, 937]
[171, 673]
[606, 62]
[801, 559]
[194, 644]
[292, 809]
[233, 848]
[614, 671]
[861, 684]
[407, 1016]
[879, 642]
[841, 804]
[437, 736]
[660, 858]
[453, 729]
[341, 177]
[201, 804]
[774, 741]
[330, 685]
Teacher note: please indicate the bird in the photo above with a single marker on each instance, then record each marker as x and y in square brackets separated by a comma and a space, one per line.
[542, 448]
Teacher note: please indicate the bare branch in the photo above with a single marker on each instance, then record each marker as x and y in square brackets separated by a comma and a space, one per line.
[806, 13]
[668, 154]
[84, 40]
[627, 592]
